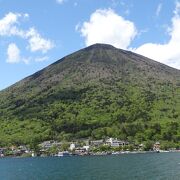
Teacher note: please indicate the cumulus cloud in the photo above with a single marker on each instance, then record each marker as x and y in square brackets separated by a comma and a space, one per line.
[37, 43]
[10, 26]
[105, 26]
[13, 53]
[168, 53]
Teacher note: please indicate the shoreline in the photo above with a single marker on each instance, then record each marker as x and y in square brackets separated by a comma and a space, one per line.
[97, 154]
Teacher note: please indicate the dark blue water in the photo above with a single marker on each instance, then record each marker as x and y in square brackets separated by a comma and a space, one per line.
[154, 166]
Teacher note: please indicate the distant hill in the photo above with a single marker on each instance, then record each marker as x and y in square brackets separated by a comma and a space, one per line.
[95, 92]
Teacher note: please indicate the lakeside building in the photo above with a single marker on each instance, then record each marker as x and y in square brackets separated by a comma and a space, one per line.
[97, 142]
[86, 147]
[156, 146]
[72, 147]
[48, 144]
[114, 142]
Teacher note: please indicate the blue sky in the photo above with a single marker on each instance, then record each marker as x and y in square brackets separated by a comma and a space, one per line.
[34, 34]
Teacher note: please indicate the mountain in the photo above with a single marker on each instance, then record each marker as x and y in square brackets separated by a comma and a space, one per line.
[95, 92]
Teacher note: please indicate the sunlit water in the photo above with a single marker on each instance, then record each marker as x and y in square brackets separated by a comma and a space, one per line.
[128, 166]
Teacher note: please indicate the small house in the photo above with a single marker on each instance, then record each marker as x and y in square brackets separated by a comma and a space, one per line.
[156, 146]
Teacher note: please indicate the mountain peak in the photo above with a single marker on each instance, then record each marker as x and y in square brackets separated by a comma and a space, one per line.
[100, 46]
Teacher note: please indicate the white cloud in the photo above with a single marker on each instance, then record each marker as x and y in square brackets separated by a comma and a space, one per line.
[14, 56]
[37, 43]
[9, 26]
[105, 26]
[13, 53]
[158, 10]
[168, 53]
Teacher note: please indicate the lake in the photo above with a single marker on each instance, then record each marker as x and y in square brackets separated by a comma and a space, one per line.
[153, 166]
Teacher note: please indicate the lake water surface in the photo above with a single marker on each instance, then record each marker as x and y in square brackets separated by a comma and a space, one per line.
[149, 166]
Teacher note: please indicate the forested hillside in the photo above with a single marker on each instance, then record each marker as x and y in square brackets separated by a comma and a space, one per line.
[96, 92]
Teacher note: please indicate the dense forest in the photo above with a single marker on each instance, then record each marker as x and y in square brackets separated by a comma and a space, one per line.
[97, 92]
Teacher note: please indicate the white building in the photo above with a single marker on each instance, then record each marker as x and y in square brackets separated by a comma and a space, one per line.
[72, 147]
[114, 142]
[86, 147]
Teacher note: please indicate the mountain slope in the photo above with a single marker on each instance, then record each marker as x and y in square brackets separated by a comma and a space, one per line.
[95, 92]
